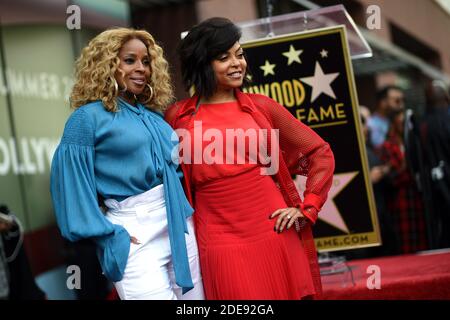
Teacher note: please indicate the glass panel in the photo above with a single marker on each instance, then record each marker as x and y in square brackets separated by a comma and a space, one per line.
[306, 21]
[39, 88]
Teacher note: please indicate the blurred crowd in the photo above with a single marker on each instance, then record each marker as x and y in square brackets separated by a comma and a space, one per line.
[409, 161]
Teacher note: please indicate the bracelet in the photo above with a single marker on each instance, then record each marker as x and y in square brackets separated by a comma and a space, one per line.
[297, 225]
[300, 224]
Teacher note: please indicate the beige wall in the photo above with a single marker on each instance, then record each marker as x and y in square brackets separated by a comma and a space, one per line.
[235, 10]
[424, 19]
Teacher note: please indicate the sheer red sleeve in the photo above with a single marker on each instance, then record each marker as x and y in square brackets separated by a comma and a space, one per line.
[304, 152]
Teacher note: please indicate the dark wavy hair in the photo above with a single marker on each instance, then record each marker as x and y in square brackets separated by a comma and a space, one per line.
[205, 42]
[384, 92]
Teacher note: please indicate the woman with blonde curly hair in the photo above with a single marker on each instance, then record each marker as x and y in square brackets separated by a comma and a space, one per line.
[117, 150]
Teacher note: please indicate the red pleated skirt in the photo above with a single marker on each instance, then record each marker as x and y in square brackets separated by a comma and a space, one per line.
[241, 255]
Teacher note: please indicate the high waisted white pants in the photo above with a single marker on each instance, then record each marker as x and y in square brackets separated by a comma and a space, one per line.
[149, 273]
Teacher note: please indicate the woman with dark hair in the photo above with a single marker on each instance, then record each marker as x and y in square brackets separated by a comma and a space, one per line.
[238, 184]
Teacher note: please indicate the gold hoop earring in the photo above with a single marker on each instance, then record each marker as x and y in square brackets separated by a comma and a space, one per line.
[151, 94]
[116, 86]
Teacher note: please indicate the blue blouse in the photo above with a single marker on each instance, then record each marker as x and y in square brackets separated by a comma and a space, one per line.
[117, 155]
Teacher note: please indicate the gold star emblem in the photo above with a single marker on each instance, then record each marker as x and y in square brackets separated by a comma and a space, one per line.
[293, 55]
[320, 83]
[268, 68]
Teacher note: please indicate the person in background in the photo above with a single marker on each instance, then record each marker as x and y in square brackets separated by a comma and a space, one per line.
[388, 99]
[435, 137]
[5, 226]
[17, 281]
[379, 173]
[405, 204]
[116, 153]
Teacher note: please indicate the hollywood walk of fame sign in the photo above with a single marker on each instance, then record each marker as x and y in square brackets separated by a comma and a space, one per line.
[310, 74]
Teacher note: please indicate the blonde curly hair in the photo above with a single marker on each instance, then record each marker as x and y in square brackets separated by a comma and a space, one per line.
[99, 61]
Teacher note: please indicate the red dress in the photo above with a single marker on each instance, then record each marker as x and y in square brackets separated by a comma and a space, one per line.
[241, 255]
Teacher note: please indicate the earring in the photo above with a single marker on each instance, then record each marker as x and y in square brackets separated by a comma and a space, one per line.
[151, 94]
[116, 86]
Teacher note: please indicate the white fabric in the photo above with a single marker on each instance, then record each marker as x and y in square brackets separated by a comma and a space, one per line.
[149, 273]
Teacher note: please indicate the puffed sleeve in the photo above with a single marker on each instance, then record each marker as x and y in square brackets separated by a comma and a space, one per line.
[304, 152]
[74, 196]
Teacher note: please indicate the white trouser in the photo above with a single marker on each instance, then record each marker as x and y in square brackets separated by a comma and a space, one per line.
[149, 273]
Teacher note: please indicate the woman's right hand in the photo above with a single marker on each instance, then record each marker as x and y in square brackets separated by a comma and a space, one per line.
[134, 240]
